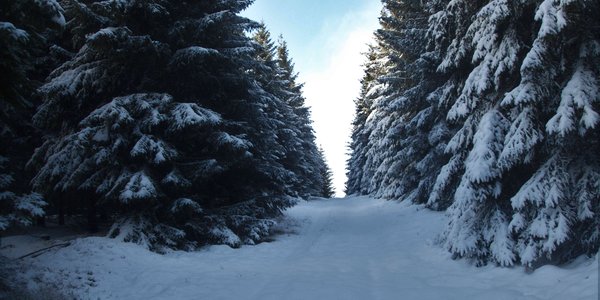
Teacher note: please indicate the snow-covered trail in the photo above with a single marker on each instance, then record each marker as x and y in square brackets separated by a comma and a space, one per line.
[352, 248]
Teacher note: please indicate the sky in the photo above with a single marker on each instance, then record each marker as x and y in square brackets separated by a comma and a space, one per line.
[326, 40]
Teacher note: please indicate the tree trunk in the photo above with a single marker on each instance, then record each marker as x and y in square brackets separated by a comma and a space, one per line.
[61, 210]
[91, 214]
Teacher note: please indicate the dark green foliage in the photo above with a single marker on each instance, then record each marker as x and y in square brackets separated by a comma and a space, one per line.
[370, 90]
[173, 122]
[300, 155]
[310, 164]
[397, 146]
[25, 27]
[488, 111]
[327, 190]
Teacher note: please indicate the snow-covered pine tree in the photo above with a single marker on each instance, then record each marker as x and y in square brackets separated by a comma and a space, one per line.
[513, 114]
[16, 209]
[157, 121]
[521, 196]
[371, 89]
[299, 154]
[24, 30]
[371, 121]
[311, 163]
[399, 145]
[415, 135]
[473, 149]
[287, 144]
[327, 190]
[556, 210]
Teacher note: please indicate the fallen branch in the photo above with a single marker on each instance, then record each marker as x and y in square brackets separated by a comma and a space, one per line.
[41, 251]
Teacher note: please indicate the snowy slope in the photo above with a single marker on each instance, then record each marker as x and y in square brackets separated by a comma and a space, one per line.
[353, 248]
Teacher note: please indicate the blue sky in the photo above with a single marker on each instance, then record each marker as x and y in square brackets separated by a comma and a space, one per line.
[307, 24]
[326, 40]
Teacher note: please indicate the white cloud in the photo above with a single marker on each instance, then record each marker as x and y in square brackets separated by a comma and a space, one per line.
[331, 89]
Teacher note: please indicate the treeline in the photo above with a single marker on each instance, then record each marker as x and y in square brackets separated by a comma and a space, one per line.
[165, 118]
[488, 110]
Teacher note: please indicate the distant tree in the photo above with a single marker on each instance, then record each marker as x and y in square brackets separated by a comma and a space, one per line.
[288, 141]
[371, 90]
[398, 138]
[301, 157]
[328, 191]
[311, 161]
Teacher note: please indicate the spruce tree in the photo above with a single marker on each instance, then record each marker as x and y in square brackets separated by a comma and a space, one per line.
[499, 124]
[371, 90]
[25, 27]
[413, 135]
[157, 122]
[275, 73]
[310, 161]
[398, 139]
[513, 134]
[270, 78]
[327, 190]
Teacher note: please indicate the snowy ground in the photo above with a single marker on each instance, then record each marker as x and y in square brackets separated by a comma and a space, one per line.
[352, 248]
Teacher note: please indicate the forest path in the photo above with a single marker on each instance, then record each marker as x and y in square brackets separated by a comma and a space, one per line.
[350, 248]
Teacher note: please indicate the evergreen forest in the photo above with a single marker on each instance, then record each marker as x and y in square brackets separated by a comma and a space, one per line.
[155, 149]
[179, 124]
[487, 110]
